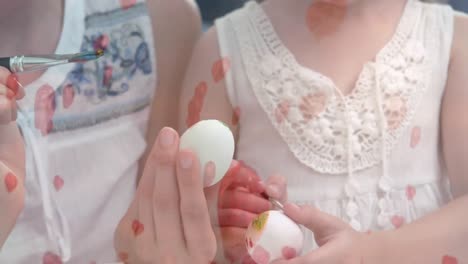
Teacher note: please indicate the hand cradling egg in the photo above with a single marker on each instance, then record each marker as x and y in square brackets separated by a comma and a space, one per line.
[212, 141]
[273, 236]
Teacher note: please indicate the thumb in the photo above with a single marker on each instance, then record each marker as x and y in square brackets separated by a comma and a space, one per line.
[320, 223]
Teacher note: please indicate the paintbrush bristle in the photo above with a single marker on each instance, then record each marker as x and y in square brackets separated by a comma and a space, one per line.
[87, 56]
[99, 52]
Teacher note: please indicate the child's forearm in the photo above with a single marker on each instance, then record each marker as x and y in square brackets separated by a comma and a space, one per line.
[12, 170]
[439, 238]
[11, 201]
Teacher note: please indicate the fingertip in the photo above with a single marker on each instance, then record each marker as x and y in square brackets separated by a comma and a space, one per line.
[234, 164]
[273, 191]
[4, 73]
[13, 84]
[167, 137]
[21, 93]
[164, 150]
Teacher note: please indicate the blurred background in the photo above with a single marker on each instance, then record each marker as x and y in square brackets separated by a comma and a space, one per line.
[211, 9]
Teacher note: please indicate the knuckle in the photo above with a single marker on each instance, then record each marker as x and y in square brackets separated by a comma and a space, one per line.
[162, 157]
[163, 203]
[191, 210]
[143, 254]
[167, 258]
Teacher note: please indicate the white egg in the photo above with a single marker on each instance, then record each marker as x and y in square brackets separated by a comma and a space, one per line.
[273, 236]
[212, 141]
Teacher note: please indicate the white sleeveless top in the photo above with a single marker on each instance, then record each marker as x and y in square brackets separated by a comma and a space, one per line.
[84, 128]
[372, 157]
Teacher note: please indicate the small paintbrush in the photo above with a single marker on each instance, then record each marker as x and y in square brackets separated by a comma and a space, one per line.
[276, 204]
[23, 63]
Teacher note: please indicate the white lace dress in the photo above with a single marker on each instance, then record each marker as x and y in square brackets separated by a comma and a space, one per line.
[371, 157]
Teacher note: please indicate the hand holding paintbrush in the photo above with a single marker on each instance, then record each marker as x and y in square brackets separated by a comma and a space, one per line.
[11, 90]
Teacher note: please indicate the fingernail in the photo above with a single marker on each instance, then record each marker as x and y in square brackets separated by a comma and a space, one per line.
[12, 83]
[166, 137]
[293, 206]
[273, 190]
[185, 160]
[234, 164]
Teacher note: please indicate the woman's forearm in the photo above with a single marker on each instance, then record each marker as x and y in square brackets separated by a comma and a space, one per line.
[441, 237]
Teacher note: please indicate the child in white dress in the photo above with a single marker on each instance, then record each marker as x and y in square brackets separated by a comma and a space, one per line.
[359, 104]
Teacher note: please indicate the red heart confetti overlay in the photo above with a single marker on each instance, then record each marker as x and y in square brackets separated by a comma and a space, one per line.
[289, 253]
[415, 137]
[137, 227]
[236, 116]
[410, 192]
[68, 95]
[398, 221]
[126, 4]
[196, 104]
[220, 68]
[58, 183]
[449, 260]
[123, 256]
[51, 258]
[282, 111]
[11, 182]
[44, 108]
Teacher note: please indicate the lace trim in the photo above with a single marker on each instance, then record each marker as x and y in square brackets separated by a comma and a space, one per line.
[305, 109]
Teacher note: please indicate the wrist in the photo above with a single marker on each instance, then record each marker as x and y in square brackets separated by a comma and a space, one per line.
[376, 247]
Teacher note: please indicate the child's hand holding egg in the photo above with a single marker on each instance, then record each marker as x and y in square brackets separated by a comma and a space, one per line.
[212, 141]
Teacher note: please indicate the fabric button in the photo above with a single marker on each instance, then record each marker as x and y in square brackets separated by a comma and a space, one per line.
[384, 184]
[355, 225]
[382, 220]
[383, 205]
[416, 51]
[352, 209]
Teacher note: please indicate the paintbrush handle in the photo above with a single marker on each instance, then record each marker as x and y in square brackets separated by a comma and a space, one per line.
[5, 62]
[34, 63]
